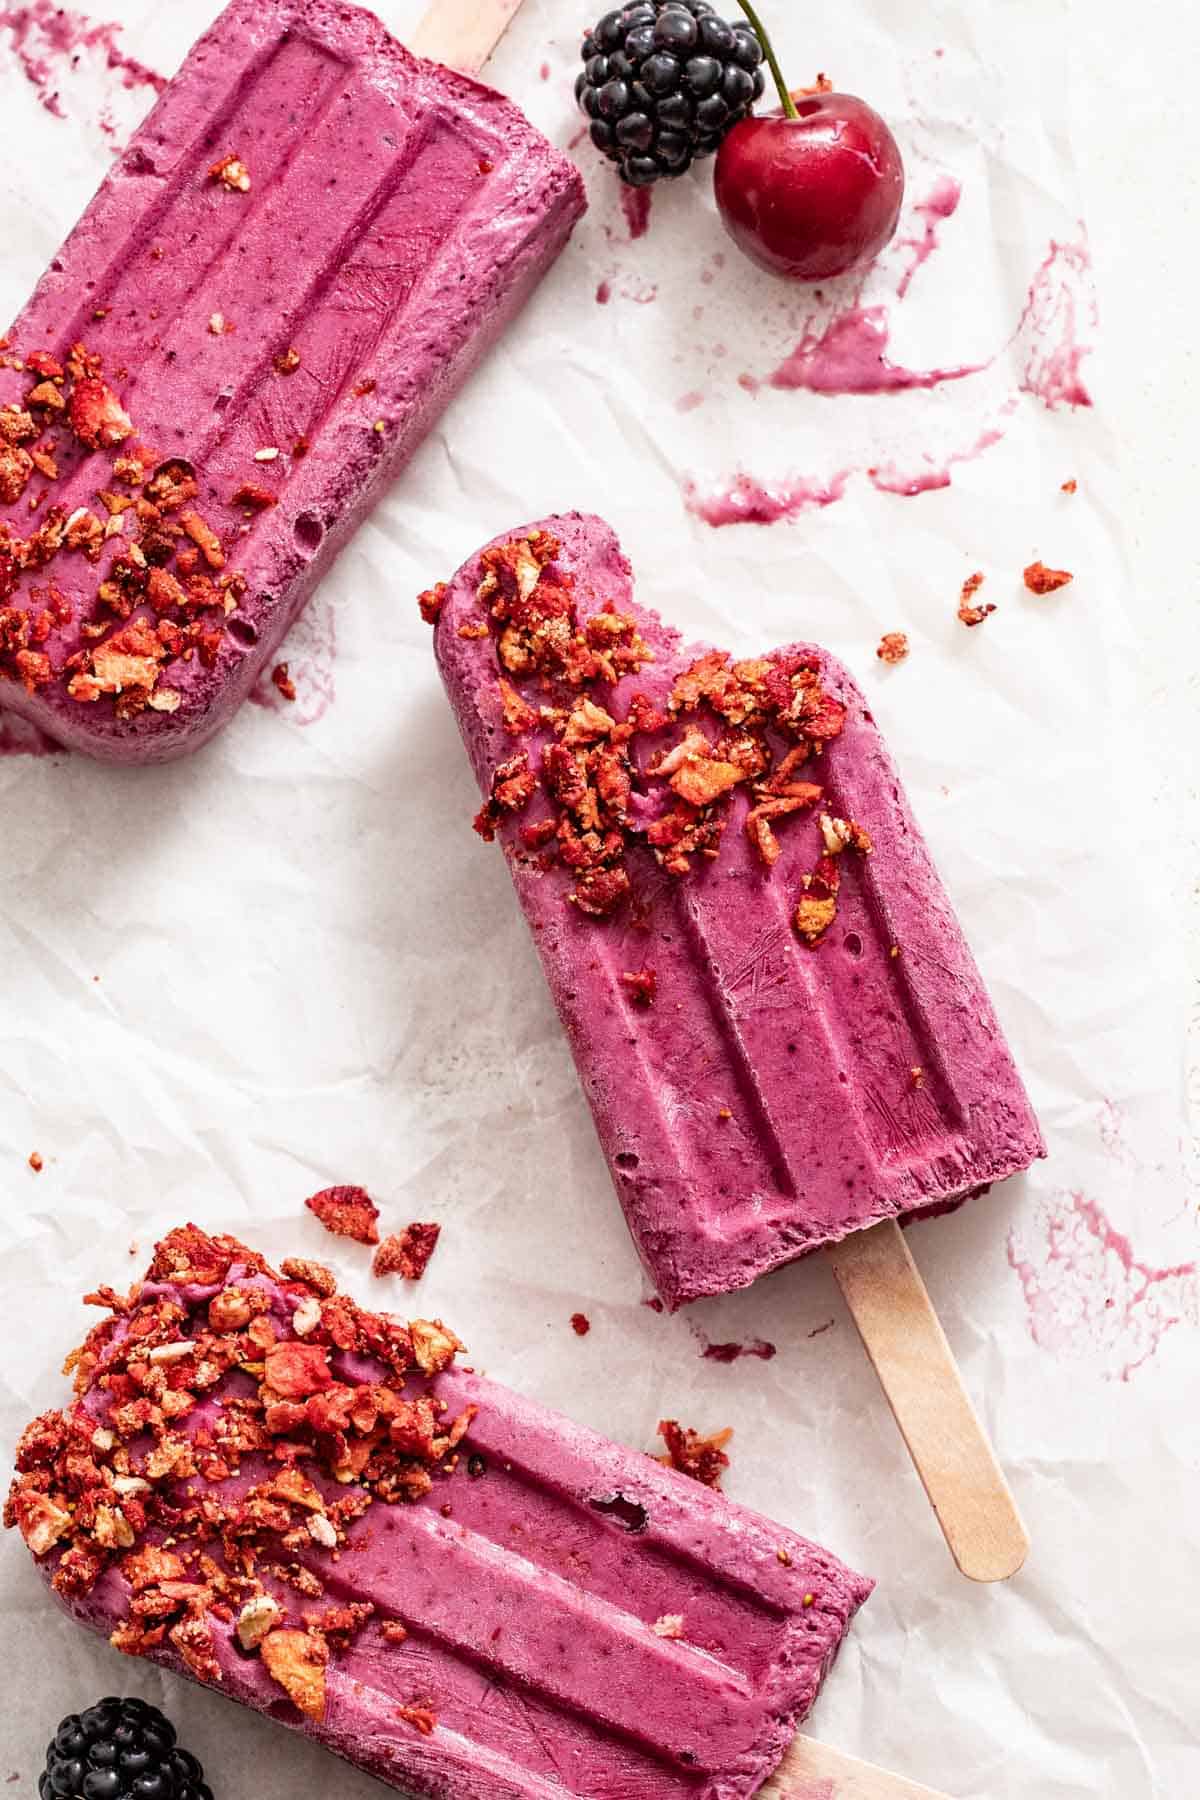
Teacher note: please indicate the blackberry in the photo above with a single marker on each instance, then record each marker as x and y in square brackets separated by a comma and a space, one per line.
[663, 81]
[120, 1750]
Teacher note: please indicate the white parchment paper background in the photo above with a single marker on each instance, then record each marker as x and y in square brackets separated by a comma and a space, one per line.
[289, 962]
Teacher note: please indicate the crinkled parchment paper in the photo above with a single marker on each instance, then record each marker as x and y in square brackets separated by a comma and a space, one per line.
[289, 961]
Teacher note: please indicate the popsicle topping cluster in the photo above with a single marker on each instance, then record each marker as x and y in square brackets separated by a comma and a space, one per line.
[212, 1446]
[662, 776]
[164, 592]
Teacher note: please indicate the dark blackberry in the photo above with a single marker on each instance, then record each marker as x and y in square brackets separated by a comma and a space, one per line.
[120, 1750]
[663, 81]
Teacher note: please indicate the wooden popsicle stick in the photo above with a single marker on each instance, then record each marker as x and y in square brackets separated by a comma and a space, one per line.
[812, 1771]
[463, 33]
[905, 1341]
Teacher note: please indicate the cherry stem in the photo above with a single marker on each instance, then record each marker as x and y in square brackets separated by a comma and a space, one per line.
[789, 105]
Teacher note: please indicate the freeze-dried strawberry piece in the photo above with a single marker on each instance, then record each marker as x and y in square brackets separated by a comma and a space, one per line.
[347, 1212]
[96, 416]
[408, 1253]
[1041, 580]
[297, 1660]
[294, 1370]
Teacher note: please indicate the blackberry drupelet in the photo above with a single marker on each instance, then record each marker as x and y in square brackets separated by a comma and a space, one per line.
[663, 81]
[120, 1750]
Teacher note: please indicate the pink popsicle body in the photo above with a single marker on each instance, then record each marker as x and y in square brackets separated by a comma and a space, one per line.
[529, 1580]
[773, 1097]
[397, 217]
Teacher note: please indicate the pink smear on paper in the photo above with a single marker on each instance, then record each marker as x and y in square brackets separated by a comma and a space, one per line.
[49, 41]
[635, 204]
[733, 1352]
[687, 403]
[544, 71]
[850, 357]
[604, 293]
[1087, 1294]
[808, 1790]
[745, 501]
[1049, 328]
[889, 478]
[309, 652]
[941, 205]
[18, 737]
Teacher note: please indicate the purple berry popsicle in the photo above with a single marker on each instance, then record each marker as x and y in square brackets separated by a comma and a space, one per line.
[309, 1507]
[776, 1019]
[300, 258]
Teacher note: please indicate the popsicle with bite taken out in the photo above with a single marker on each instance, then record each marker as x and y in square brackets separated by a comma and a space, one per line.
[781, 1031]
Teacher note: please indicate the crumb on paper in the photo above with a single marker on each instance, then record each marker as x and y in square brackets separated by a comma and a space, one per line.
[893, 648]
[968, 613]
[1071, 486]
[282, 681]
[702, 1458]
[1041, 580]
[580, 1324]
[347, 1212]
[36, 1162]
[408, 1252]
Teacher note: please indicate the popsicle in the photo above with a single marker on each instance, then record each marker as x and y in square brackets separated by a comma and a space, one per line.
[776, 1019]
[309, 1506]
[300, 258]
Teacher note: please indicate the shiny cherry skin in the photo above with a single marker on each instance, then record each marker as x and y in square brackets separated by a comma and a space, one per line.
[811, 197]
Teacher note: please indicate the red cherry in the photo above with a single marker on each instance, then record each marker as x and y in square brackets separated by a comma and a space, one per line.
[814, 196]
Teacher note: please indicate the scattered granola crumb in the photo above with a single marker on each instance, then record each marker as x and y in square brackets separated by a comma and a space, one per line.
[580, 1324]
[347, 1212]
[968, 613]
[785, 1557]
[1070, 487]
[725, 1113]
[669, 1626]
[1041, 580]
[232, 173]
[432, 601]
[642, 985]
[287, 362]
[408, 1253]
[893, 648]
[917, 1076]
[220, 326]
[703, 1458]
[283, 681]
[394, 1631]
[35, 1161]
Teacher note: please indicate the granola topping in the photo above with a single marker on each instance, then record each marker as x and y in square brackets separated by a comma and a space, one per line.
[661, 777]
[160, 595]
[194, 1380]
